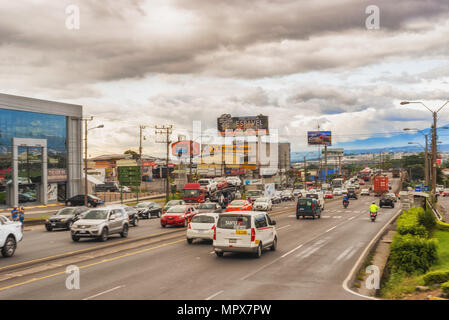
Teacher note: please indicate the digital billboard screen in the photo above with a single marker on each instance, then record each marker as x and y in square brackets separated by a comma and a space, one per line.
[319, 138]
[242, 126]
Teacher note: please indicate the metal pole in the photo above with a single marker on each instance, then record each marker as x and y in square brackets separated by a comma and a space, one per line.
[167, 185]
[426, 163]
[85, 162]
[325, 163]
[434, 157]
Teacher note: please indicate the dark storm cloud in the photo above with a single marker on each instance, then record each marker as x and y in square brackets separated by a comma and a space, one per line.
[246, 39]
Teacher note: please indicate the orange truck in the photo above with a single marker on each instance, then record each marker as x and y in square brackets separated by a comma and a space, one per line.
[380, 185]
[194, 193]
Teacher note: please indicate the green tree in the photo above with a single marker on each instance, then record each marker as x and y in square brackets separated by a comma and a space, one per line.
[133, 154]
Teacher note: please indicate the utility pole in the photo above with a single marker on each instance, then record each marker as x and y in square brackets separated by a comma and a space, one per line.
[140, 159]
[85, 160]
[426, 162]
[325, 163]
[305, 172]
[434, 156]
[166, 130]
[191, 161]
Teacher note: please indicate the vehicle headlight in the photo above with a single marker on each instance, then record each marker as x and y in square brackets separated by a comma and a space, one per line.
[46, 220]
[62, 220]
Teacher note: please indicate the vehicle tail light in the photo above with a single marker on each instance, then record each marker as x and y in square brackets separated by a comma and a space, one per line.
[190, 226]
[253, 234]
[215, 232]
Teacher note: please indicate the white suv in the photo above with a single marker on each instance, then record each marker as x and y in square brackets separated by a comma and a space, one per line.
[100, 223]
[10, 234]
[244, 231]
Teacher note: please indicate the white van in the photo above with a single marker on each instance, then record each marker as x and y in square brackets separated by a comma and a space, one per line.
[244, 231]
[318, 196]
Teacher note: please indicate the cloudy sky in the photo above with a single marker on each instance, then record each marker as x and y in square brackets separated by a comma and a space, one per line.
[303, 62]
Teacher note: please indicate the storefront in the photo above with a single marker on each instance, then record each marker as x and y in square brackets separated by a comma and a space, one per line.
[40, 151]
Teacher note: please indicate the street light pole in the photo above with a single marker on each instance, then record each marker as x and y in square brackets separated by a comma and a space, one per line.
[434, 144]
[85, 156]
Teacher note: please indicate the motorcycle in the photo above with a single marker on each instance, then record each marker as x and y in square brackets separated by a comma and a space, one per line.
[345, 204]
[373, 216]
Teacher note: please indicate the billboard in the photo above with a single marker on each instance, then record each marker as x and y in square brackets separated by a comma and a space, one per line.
[334, 152]
[242, 126]
[182, 148]
[319, 138]
[238, 148]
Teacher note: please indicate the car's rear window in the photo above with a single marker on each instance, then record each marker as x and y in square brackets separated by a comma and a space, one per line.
[234, 222]
[304, 203]
[203, 219]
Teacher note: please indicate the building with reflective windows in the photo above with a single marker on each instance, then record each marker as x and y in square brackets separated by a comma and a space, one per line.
[40, 151]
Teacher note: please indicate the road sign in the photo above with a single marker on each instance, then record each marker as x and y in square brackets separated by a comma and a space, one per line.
[129, 175]
[418, 189]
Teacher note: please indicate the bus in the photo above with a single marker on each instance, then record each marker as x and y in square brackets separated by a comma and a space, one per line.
[337, 183]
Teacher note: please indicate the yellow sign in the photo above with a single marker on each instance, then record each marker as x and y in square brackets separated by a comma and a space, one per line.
[238, 148]
[240, 232]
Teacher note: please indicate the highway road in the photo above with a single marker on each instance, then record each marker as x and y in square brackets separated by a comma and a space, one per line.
[312, 260]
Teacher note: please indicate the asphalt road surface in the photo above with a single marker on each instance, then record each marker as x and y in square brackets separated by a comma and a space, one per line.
[311, 262]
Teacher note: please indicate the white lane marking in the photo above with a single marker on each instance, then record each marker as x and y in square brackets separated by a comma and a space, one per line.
[99, 294]
[351, 218]
[336, 217]
[283, 227]
[291, 216]
[214, 295]
[330, 229]
[307, 253]
[344, 253]
[325, 216]
[291, 251]
[351, 253]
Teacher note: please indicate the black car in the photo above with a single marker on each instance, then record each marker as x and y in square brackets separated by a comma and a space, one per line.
[352, 195]
[149, 209]
[386, 201]
[64, 218]
[133, 215]
[92, 201]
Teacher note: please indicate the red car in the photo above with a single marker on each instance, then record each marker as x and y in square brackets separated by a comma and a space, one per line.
[445, 192]
[361, 182]
[221, 183]
[179, 215]
[328, 195]
[239, 205]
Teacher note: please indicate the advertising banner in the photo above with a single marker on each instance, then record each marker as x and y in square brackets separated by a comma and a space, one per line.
[242, 126]
[334, 152]
[182, 148]
[319, 138]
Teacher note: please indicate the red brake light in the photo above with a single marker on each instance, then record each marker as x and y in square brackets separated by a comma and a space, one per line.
[190, 226]
[253, 234]
[215, 232]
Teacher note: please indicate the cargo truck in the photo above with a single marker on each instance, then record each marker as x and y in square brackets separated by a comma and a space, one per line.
[194, 193]
[380, 185]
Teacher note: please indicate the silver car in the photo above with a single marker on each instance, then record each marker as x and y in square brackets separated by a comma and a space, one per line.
[100, 223]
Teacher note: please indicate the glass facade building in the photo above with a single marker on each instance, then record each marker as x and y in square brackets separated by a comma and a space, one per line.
[59, 126]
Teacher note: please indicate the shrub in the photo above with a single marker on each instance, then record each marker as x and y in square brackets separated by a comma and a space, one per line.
[412, 254]
[442, 225]
[426, 219]
[436, 277]
[445, 287]
[408, 223]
